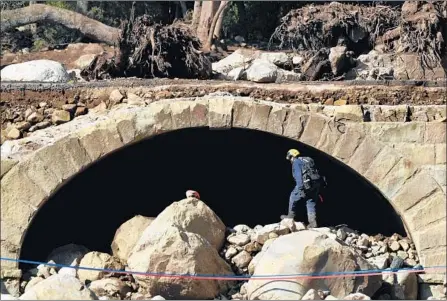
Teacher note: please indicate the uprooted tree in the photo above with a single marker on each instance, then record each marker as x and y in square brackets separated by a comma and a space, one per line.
[144, 48]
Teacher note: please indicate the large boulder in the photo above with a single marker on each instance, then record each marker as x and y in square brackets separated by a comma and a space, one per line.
[262, 71]
[175, 250]
[97, 260]
[191, 215]
[35, 71]
[65, 255]
[310, 252]
[234, 60]
[408, 66]
[59, 287]
[127, 236]
[280, 59]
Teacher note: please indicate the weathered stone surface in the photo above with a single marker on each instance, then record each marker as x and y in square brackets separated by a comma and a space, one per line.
[220, 113]
[428, 113]
[396, 177]
[435, 132]
[295, 123]
[181, 114]
[133, 99]
[6, 165]
[307, 252]
[97, 260]
[242, 259]
[127, 236]
[432, 237]
[109, 287]
[432, 210]
[126, 129]
[440, 153]
[259, 117]
[242, 112]
[276, 119]
[431, 290]
[64, 158]
[59, 287]
[434, 258]
[419, 154]
[382, 164]
[365, 154]
[239, 239]
[397, 132]
[349, 142]
[416, 189]
[115, 97]
[388, 113]
[348, 113]
[162, 114]
[409, 283]
[191, 215]
[40, 174]
[101, 140]
[172, 249]
[199, 114]
[312, 131]
[60, 116]
[338, 59]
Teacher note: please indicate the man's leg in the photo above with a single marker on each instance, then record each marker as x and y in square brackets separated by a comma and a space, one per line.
[311, 213]
[294, 197]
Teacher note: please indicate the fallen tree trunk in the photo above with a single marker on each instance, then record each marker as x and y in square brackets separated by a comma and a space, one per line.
[38, 13]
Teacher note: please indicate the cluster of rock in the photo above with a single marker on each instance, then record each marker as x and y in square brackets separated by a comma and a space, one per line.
[270, 67]
[35, 117]
[189, 238]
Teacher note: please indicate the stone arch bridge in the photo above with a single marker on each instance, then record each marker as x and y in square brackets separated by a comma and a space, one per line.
[404, 160]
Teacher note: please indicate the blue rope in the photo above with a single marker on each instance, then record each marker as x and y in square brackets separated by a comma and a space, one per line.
[220, 276]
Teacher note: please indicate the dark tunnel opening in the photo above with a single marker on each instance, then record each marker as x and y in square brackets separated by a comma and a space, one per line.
[241, 174]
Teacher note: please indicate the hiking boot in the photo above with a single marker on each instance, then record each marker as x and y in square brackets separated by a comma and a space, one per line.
[312, 221]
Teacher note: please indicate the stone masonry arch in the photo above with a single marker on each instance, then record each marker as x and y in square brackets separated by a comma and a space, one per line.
[363, 146]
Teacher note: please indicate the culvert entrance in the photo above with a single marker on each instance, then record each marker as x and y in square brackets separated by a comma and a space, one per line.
[241, 174]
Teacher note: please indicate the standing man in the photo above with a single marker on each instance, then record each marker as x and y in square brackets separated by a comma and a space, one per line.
[308, 185]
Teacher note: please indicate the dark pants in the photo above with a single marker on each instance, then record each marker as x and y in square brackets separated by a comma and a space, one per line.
[311, 200]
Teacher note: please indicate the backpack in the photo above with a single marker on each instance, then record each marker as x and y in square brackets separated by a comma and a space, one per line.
[310, 174]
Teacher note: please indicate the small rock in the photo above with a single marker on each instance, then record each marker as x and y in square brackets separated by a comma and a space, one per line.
[241, 228]
[239, 39]
[81, 111]
[45, 271]
[404, 244]
[13, 133]
[43, 105]
[340, 102]
[109, 286]
[242, 259]
[134, 99]
[402, 254]
[35, 117]
[341, 234]
[67, 271]
[23, 126]
[381, 262]
[137, 296]
[69, 107]
[232, 251]
[273, 235]
[311, 295]
[357, 296]
[33, 282]
[394, 246]
[330, 297]
[39, 126]
[363, 242]
[97, 260]
[115, 97]
[253, 247]
[60, 116]
[262, 71]
[158, 297]
[297, 60]
[338, 59]
[239, 239]
[299, 226]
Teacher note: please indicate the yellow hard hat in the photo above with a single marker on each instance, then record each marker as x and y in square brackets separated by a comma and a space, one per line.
[292, 153]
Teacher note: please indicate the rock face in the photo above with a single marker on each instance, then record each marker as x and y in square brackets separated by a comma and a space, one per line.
[175, 250]
[309, 252]
[127, 236]
[191, 215]
[262, 71]
[38, 70]
[100, 261]
[59, 287]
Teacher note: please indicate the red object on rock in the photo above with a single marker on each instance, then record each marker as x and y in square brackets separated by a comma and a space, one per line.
[192, 194]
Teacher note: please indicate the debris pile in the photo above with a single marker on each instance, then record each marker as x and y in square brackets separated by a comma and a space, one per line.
[148, 50]
[188, 237]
